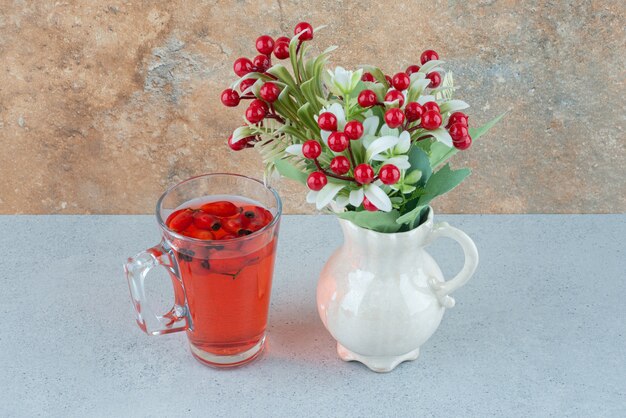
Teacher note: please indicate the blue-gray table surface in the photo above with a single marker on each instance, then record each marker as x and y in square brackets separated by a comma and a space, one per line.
[540, 330]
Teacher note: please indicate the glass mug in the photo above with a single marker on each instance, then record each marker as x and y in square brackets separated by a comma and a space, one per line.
[221, 287]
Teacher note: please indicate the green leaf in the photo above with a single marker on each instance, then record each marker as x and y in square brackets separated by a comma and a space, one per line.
[287, 169]
[476, 133]
[453, 106]
[376, 221]
[290, 130]
[309, 91]
[416, 89]
[305, 113]
[283, 75]
[419, 160]
[439, 153]
[241, 133]
[439, 183]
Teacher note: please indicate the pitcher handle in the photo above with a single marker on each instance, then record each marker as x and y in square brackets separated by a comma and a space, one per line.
[137, 268]
[443, 289]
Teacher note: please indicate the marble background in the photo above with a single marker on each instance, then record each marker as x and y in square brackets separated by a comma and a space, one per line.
[103, 104]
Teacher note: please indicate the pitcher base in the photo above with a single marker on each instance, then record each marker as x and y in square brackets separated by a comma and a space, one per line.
[380, 364]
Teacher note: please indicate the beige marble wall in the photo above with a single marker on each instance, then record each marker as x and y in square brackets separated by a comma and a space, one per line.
[105, 103]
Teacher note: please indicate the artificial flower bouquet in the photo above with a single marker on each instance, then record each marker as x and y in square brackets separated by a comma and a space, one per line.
[371, 148]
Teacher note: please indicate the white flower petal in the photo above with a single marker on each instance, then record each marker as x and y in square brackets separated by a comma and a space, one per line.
[370, 125]
[400, 161]
[378, 197]
[404, 143]
[387, 131]
[356, 197]
[341, 201]
[366, 140]
[442, 136]
[337, 110]
[327, 194]
[427, 98]
[379, 145]
[311, 197]
[295, 149]
[325, 135]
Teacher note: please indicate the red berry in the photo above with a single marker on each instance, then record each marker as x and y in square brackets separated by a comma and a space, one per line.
[205, 221]
[259, 103]
[431, 120]
[431, 106]
[369, 206]
[180, 220]
[463, 144]
[401, 81]
[364, 173]
[435, 79]
[255, 114]
[340, 165]
[261, 63]
[316, 181]
[338, 141]
[413, 111]
[428, 55]
[394, 117]
[353, 129]
[236, 146]
[311, 149]
[367, 98]
[230, 98]
[242, 66]
[389, 80]
[283, 39]
[458, 117]
[247, 83]
[281, 50]
[458, 131]
[327, 121]
[302, 27]
[265, 44]
[368, 77]
[221, 208]
[412, 69]
[194, 232]
[389, 174]
[393, 95]
[269, 92]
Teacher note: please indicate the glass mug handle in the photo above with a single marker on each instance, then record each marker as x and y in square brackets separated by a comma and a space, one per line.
[137, 269]
[443, 289]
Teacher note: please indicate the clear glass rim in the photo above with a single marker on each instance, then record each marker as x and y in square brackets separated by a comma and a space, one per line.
[279, 209]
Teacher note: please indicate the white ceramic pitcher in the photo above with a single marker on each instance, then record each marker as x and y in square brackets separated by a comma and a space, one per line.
[381, 296]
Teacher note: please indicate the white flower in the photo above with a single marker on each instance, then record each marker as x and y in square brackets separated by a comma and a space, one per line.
[342, 81]
[378, 197]
[356, 197]
[390, 148]
[370, 126]
[324, 196]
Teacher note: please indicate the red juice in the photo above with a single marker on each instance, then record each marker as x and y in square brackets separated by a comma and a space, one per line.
[226, 272]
